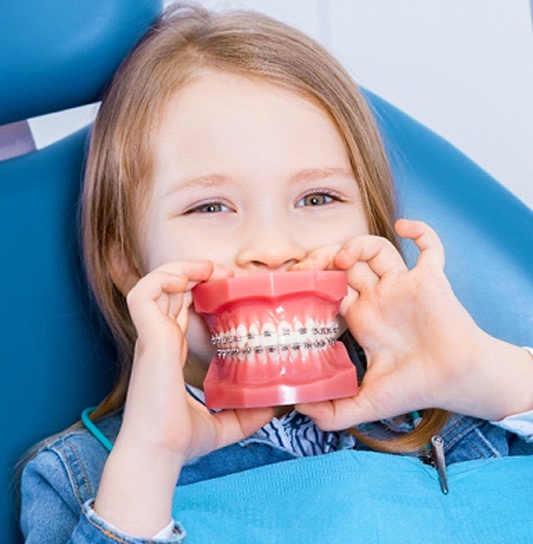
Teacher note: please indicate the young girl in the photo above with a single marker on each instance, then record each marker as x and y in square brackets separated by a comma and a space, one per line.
[229, 145]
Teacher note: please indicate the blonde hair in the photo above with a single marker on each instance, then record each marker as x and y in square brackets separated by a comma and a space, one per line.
[185, 41]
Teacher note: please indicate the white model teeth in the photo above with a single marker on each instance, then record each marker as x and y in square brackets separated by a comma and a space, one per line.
[244, 341]
[269, 337]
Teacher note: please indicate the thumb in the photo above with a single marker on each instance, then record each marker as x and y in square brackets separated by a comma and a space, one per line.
[236, 425]
[339, 414]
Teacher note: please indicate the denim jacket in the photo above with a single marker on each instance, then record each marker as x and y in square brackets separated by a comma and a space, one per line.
[60, 483]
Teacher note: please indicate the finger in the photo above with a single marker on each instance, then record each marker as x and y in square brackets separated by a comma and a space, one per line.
[194, 271]
[378, 252]
[165, 287]
[171, 278]
[339, 414]
[220, 272]
[380, 396]
[331, 415]
[182, 317]
[155, 295]
[427, 241]
[318, 259]
[361, 277]
[236, 425]
[154, 285]
[178, 278]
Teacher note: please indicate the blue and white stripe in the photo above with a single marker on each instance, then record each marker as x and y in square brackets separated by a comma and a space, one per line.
[293, 432]
[298, 434]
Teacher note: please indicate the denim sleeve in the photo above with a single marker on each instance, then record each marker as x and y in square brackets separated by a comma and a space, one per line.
[92, 528]
[56, 498]
[520, 424]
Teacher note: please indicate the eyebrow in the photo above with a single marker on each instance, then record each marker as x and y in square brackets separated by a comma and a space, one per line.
[315, 174]
[207, 181]
[304, 176]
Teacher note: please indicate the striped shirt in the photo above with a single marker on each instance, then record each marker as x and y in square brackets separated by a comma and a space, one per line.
[293, 432]
[298, 434]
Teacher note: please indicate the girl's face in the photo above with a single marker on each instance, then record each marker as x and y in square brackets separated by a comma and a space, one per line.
[249, 176]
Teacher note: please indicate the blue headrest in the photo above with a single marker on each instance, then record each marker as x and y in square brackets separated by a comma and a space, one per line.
[60, 54]
[55, 358]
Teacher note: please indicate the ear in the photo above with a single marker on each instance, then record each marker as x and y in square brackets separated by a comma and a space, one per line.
[123, 273]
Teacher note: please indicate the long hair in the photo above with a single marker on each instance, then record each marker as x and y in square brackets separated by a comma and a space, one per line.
[186, 41]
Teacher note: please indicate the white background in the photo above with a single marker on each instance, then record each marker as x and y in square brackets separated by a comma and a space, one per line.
[464, 68]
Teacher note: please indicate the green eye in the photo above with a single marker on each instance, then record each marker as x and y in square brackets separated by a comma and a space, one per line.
[210, 207]
[316, 199]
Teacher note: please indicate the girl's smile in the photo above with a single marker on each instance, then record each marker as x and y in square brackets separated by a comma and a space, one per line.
[248, 175]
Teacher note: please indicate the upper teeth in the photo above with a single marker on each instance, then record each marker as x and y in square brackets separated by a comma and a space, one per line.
[242, 341]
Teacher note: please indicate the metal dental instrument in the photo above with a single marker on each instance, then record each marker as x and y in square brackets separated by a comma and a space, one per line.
[437, 444]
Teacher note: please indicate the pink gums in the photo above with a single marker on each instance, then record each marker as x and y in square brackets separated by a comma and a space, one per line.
[275, 336]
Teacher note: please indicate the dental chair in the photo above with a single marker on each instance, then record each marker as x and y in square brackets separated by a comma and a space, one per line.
[55, 354]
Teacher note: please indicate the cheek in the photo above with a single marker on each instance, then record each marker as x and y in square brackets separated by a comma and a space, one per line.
[356, 220]
[175, 244]
[339, 228]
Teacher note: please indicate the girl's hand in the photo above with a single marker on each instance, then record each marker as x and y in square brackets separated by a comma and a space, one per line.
[157, 403]
[163, 426]
[423, 349]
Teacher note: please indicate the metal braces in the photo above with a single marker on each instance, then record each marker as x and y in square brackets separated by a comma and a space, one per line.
[217, 340]
[324, 338]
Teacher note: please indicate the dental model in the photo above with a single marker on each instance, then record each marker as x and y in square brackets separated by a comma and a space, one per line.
[275, 338]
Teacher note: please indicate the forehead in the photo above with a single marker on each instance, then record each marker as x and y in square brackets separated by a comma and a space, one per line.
[222, 120]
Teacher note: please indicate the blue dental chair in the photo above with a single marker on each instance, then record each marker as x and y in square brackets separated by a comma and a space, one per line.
[55, 353]
[55, 356]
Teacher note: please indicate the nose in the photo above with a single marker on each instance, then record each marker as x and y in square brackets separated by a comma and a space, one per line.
[269, 247]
